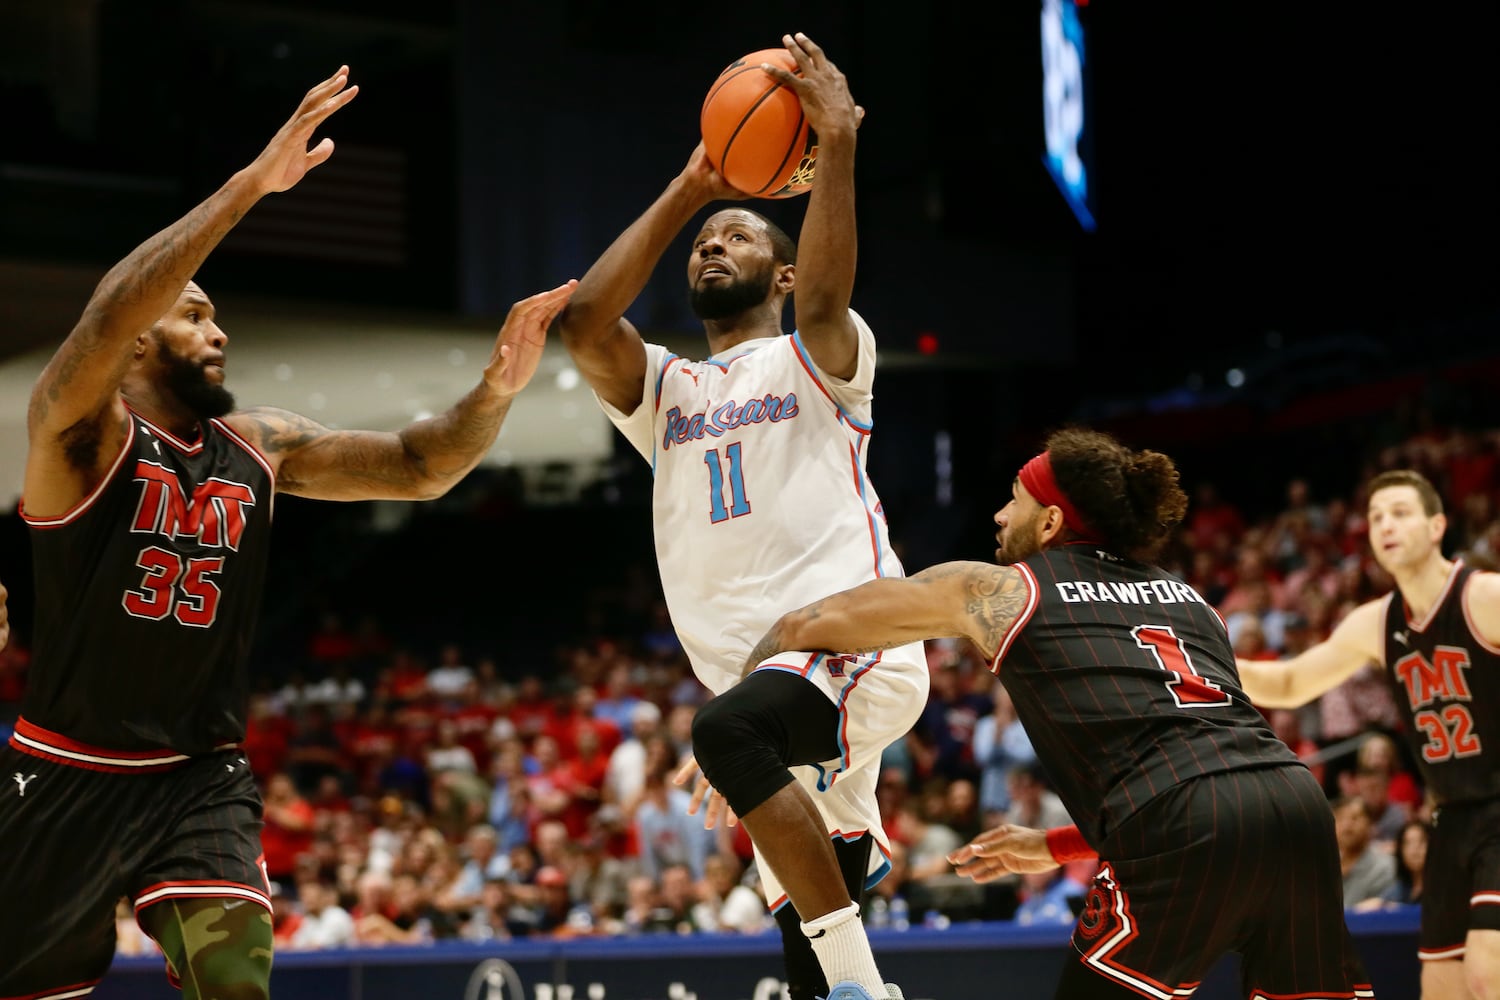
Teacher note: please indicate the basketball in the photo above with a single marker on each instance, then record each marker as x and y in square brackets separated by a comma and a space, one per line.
[753, 129]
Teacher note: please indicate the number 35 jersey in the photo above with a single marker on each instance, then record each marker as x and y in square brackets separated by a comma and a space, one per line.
[1124, 678]
[1447, 683]
[147, 595]
[761, 502]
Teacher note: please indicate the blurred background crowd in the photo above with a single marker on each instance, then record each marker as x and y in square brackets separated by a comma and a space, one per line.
[419, 787]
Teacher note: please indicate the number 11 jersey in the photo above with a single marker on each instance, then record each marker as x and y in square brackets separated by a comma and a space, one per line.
[761, 503]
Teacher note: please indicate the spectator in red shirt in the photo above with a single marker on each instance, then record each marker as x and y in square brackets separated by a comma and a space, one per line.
[1472, 466]
[406, 678]
[1210, 515]
[582, 777]
[331, 644]
[530, 709]
[267, 734]
[288, 830]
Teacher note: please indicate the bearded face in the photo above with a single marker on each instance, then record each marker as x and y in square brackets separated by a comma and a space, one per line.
[185, 379]
[1019, 536]
[719, 300]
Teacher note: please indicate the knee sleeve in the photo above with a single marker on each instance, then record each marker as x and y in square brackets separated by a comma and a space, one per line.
[739, 758]
[217, 948]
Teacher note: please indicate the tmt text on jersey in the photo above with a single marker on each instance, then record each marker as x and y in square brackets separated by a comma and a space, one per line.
[215, 514]
[726, 417]
[1443, 679]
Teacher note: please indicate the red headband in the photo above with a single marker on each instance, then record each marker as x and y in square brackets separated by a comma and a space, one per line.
[1036, 475]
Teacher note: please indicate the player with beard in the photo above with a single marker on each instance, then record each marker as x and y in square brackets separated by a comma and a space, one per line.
[1212, 836]
[149, 501]
[1439, 633]
[761, 502]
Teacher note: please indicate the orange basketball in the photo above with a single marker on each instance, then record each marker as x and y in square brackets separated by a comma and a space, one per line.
[753, 129]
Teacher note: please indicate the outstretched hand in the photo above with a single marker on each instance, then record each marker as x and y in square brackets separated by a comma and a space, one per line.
[819, 85]
[1004, 850]
[518, 349]
[286, 158]
[717, 809]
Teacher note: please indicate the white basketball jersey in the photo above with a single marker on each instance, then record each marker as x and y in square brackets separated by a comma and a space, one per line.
[761, 502]
[761, 505]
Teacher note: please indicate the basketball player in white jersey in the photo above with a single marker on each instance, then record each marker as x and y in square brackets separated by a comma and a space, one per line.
[761, 504]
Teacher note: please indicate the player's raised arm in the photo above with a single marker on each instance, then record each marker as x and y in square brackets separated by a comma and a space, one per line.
[973, 600]
[606, 346]
[427, 458]
[828, 241]
[76, 418]
[1294, 682]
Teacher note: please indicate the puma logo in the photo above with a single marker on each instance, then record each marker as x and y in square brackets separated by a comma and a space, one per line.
[1402, 638]
[22, 782]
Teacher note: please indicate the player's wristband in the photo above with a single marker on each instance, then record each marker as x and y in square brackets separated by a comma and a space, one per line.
[1067, 844]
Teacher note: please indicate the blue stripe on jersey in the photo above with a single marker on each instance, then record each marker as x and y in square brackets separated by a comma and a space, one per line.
[870, 516]
[812, 370]
[661, 373]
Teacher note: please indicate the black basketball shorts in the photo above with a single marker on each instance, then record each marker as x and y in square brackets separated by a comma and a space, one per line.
[1462, 878]
[1242, 861]
[74, 840]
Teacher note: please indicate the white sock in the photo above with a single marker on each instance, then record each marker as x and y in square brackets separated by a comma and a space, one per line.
[843, 950]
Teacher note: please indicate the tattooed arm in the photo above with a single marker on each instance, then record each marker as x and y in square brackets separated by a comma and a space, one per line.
[428, 457]
[972, 600]
[76, 419]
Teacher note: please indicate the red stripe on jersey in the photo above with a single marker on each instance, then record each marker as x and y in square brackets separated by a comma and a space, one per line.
[36, 741]
[250, 450]
[1360, 990]
[88, 501]
[1033, 599]
[814, 376]
[1432, 612]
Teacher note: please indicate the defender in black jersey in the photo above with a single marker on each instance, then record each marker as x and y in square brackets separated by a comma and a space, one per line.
[1125, 681]
[1438, 633]
[149, 500]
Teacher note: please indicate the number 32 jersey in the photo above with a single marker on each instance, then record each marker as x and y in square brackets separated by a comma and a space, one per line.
[761, 502]
[1447, 683]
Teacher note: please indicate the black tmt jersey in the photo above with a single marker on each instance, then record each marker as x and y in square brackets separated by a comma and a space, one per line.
[1447, 683]
[147, 597]
[1124, 679]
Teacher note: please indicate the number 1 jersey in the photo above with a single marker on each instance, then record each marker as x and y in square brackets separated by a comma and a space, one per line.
[761, 503]
[1124, 679]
